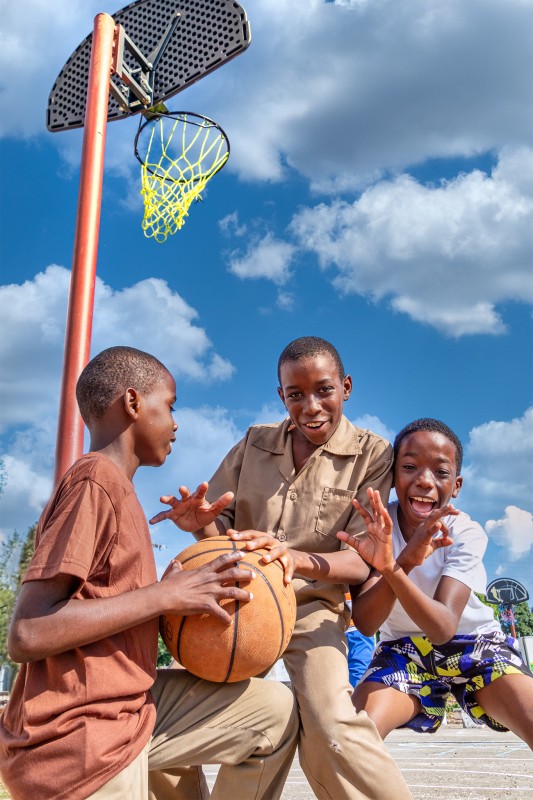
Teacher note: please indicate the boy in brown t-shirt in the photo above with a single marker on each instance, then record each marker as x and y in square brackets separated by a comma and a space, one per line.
[89, 716]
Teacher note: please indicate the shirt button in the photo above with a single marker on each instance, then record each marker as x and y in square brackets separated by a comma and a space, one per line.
[281, 536]
[293, 495]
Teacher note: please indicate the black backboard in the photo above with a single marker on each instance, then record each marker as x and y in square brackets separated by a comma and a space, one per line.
[209, 33]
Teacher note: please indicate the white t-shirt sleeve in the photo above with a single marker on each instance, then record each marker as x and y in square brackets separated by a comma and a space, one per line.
[463, 560]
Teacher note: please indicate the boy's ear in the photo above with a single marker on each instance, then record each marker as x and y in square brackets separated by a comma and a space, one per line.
[281, 395]
[347, 386]
[131, 403]
[457, 487]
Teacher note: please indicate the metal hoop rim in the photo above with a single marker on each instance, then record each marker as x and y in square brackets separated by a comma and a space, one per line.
[177, 115]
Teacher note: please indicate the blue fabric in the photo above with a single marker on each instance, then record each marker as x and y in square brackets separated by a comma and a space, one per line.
[360, 650]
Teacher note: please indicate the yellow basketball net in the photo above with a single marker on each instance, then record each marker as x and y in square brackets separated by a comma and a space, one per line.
[179, 153]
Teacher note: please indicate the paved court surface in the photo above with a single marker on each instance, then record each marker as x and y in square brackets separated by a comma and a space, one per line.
[456, 763]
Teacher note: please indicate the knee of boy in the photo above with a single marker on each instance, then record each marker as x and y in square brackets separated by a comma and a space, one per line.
[283, 710]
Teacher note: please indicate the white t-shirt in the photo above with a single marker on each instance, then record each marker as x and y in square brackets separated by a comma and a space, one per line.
[463, 560]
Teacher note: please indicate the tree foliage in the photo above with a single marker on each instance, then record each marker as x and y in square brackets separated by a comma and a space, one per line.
[15, 554]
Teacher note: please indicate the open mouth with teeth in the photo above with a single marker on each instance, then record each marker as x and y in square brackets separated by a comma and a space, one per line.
[422, 506]
[314, 426]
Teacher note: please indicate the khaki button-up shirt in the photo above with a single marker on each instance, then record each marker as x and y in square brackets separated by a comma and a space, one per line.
[305, 509]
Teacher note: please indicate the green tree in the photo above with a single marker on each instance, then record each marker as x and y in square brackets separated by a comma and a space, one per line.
[523, 619]
[15, 554]
[163, 656]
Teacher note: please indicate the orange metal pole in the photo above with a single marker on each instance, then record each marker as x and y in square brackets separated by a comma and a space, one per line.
[69, 445]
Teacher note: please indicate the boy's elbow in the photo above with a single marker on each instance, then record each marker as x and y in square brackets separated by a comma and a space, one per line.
[20, 644]
[365, 627]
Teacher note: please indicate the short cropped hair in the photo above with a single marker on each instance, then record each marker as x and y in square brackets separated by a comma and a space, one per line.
[110, 373]
[308, 347]
[434, 426]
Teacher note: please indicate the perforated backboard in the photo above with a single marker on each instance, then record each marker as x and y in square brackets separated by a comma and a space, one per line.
[209, 33]
[506, 592]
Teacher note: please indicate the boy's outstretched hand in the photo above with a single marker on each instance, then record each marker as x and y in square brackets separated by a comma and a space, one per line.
[425, 541]
[192, 511]
[376, 548]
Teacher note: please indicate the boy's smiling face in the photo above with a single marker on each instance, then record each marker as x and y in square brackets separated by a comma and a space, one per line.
[425, 477]
[313, 393]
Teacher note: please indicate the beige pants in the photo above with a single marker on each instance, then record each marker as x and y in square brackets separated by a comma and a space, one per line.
[249, 728]
[340, 751]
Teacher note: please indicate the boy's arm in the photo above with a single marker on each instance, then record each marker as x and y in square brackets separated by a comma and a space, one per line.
[373, 603]
[342, 566]
[48, 620]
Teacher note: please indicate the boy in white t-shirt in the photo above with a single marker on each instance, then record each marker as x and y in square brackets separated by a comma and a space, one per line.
[436, 636]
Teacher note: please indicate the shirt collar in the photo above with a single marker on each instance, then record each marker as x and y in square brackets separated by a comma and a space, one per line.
[344, 442]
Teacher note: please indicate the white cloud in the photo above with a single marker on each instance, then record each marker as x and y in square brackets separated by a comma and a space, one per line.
[231, 224]
[472, 237]
[498, 467]
[514, 532]
[374, 424]
[265, 258]
[33, 323]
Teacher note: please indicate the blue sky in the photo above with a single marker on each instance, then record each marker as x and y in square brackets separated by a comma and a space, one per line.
[379, 194]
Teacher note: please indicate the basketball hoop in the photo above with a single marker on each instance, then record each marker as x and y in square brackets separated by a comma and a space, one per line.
[179, 153]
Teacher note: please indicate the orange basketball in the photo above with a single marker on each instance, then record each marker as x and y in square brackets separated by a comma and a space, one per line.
[259, 631]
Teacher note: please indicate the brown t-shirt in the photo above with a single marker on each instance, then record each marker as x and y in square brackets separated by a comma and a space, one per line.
[76, 719]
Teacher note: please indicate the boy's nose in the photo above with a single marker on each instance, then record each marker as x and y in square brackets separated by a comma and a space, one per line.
[424, 478]
[312, 405]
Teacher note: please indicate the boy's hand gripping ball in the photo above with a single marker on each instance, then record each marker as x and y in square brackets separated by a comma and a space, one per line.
[259, 631]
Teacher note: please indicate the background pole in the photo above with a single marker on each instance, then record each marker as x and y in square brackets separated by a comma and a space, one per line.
[69, 445]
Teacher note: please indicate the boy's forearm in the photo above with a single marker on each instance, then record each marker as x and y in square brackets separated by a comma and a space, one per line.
[342, 566]
[432, 617]
[43, 631]
[216, 528]
[372, 607]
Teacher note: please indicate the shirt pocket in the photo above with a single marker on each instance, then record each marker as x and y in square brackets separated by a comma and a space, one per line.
[334, 510]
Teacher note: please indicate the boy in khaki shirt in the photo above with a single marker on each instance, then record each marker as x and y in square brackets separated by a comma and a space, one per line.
[289, 488]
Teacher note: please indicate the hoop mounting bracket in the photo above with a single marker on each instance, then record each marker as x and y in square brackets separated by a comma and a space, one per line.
[140, 79]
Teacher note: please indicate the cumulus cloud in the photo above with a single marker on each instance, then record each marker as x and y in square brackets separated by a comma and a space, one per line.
[231, 224]
[34, 314]
[498, 458]
[319, 95]
[267, 257]
[374, 424]
[514, 532]
[472, 237]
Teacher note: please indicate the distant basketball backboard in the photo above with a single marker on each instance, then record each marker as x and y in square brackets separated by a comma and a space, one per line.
[506, 592]
[202, 36]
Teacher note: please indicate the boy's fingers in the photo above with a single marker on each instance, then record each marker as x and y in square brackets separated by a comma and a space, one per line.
[159, 517]
[362, 510]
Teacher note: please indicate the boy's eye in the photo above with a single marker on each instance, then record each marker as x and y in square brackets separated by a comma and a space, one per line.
[327, 389]
[443, 473]
[294, 395]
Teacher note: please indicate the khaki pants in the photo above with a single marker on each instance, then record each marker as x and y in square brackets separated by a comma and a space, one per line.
[249, 728]
[340, 751]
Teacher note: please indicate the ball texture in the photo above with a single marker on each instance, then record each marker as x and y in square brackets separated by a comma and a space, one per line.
[259, 631]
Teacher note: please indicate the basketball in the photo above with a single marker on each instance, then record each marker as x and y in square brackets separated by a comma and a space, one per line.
[259, 631]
